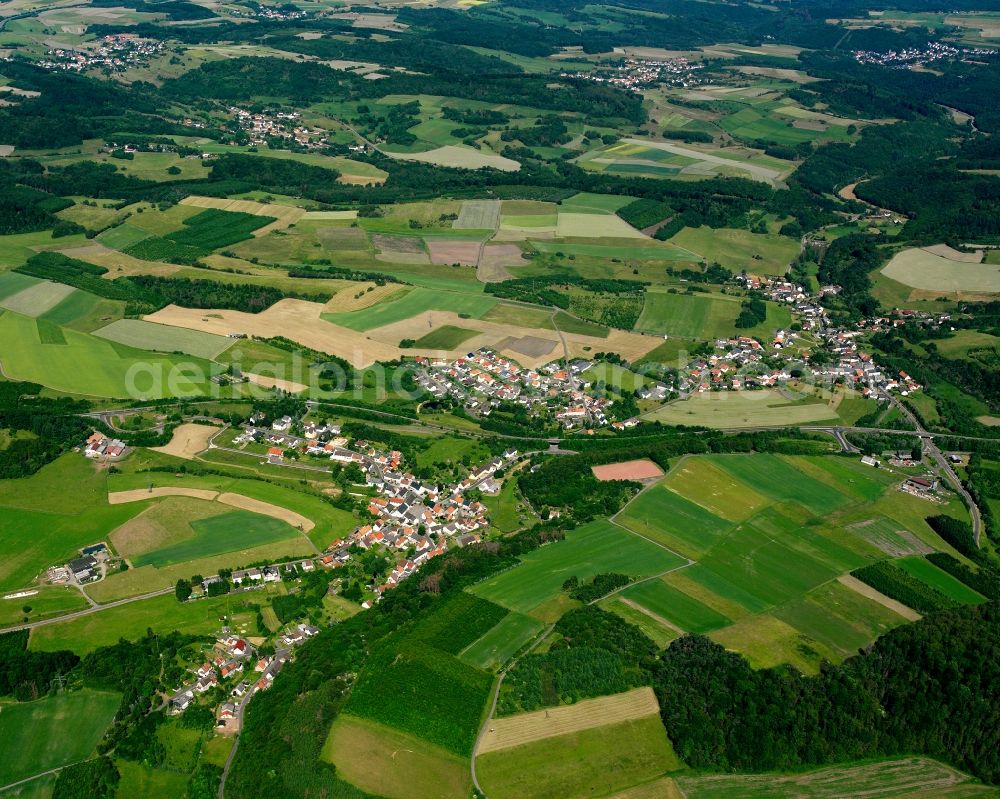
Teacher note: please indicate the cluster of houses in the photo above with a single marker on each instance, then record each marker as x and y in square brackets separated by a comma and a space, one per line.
[902, 316]
[483, 379]
[115, 53]
[910, 57]
[807, 307]
[416, 520]
[854, 367]
[99, 446]
[263, 126]
[232, 661]
[283, 13]
[860, 371]
[635, 73]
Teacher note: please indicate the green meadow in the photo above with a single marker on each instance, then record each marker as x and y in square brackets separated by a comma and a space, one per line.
[52, 732]
[235, 530]
[80, 363]
[162, 614]
[414, 302]
[36, 532]
[704, 316]
[502, 642]
[770, 535]
[599, 546]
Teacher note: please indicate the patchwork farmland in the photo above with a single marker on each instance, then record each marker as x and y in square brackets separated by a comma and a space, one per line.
[744, 521]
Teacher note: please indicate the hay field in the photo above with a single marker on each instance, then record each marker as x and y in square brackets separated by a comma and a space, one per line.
[188, 440]
[80, 363]
[52, 732]
[902, 778]
[162, 614]
[478, 215]
[930, 271]
[118, 263]
[394, 764]
[285, 215]
[590, 762]
[758, 253]
[595, 225]
[524, 728]
[735, 409]
[297, 320]
[162, 338]
[240, 501]
[36, 299]
[460, 157]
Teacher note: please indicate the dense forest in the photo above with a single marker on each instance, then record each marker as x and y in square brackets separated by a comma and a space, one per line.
[928, 688]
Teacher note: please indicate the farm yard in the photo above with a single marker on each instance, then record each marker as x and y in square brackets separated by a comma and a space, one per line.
[40, 535]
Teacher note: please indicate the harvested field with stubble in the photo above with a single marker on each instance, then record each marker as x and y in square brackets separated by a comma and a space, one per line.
[590, 713]
[297, 320]
[643, 469]
[140, 494]
[188, 440]
[392, 763]
[119, 264]
[591, 762]
[284, 215]
[911, 777]
[478, 215]
[877, 596]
